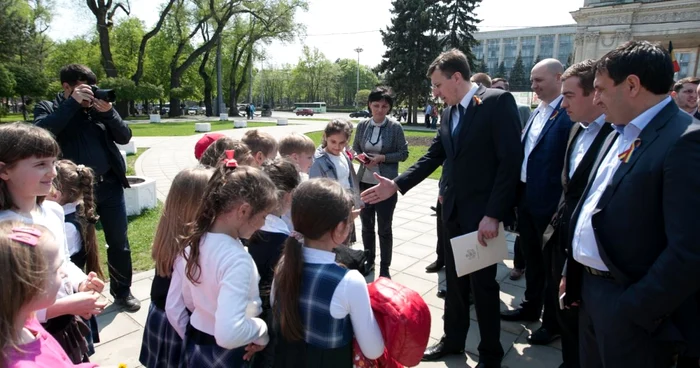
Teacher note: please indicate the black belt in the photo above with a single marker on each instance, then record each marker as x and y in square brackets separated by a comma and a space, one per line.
[199, 337]
[104, 177]
[599, 273]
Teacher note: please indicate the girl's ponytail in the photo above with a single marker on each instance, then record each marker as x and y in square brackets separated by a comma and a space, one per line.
[88, 218]
[287, 284]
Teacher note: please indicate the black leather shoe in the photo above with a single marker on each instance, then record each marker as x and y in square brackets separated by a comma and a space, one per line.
[128, 303]
[542, 337]
[434, 267]
[438, 351]
[441, 294]
[433, 208]
[384, 272]
[519, 315]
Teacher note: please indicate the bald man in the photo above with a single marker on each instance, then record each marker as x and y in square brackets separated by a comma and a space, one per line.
[544, 142]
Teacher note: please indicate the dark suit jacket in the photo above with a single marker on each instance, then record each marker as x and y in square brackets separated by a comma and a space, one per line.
[480, 172]
[572, 190]
[645, 225]
[697, 115]
[545, 163]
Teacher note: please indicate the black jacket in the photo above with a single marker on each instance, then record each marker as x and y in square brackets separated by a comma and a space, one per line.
[482, 168]
[74, 130]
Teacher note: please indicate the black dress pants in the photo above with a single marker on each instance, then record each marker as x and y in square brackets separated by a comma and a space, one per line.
[485, 289]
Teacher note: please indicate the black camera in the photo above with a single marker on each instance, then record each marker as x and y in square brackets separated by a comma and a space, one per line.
[104, 94]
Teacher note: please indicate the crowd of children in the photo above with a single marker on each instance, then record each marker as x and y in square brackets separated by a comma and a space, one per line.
[245, 272]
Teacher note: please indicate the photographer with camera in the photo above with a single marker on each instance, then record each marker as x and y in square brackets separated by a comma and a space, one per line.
[87, 127]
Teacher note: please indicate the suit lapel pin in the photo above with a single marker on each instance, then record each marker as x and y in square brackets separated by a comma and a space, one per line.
[627, 154]
[477, 100]
[554, 116]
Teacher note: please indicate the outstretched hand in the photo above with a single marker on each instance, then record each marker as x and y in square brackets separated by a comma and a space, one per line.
[380, 192]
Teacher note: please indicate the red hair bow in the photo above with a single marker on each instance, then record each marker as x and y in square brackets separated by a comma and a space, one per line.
[229, 160]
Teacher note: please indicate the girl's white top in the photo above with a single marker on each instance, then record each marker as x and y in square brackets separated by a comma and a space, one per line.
[226, 301]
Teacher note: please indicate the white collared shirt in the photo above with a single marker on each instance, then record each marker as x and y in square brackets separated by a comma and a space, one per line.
[275, 224]
[465, 103]
[73, 237]
[531, 134]
[584, 245]
[583, 142]
[350, 297]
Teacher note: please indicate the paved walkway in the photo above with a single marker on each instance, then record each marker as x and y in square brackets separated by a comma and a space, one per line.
[414, 248]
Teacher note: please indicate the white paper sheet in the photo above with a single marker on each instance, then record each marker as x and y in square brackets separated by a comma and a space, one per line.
[471, 256]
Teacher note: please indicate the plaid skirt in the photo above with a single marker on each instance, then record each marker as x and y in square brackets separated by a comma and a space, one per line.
[210, 355]
[161, 346]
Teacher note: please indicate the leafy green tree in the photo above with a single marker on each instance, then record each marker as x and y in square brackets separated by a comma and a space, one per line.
[501, 71]
[126, 38]
[412, 43]
[461, 25]
[7, 82]
[519, 78]
[74, 51]
[361, 98]
[29, 83]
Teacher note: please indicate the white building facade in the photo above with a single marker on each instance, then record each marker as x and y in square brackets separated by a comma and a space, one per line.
[601, 25]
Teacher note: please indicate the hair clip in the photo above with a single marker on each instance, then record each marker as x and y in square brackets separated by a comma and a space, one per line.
[80, 168]
[26, 235]
[229, 160]
[298, 236]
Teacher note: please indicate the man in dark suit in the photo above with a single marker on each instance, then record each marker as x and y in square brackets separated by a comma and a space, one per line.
[685, 93]
[585, 140]
[544, 144]
[480, 153]
[634, 254]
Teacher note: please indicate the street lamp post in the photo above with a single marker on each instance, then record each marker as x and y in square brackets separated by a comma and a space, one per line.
[358, 51]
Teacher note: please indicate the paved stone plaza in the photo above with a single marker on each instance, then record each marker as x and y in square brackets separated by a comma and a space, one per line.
[414, 248]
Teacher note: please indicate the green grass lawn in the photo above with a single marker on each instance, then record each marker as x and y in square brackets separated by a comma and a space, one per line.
[415, 151]
[184, 128]
[11, 118]
[141, 230]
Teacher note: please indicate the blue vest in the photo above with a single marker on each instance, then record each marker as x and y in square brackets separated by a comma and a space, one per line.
[319, 282]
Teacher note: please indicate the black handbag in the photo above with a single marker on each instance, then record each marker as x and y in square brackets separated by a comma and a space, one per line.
[353, 259]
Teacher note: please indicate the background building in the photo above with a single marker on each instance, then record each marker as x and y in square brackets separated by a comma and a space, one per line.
[601, 25]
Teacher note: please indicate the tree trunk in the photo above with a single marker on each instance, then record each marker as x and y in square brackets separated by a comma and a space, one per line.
[174, 101]
[142, 48]
[207, 84]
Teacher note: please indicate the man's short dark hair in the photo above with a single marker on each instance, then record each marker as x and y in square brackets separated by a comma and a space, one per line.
[501, 80]
[450, 62]
[483, 79]
[679, 85]
[381, 93]
[73, 73]
[649, 62]
[585, 72]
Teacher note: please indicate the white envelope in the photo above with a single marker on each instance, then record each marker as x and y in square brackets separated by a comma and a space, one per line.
[471, 256]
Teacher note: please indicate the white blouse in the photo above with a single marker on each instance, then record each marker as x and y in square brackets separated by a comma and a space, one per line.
[350, 297]
[226, 301]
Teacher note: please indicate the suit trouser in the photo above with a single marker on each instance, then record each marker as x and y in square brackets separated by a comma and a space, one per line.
[608, 337]
[485, 289]
[556, 320]
[112, 211]
[531, 228]
[440, 229]
[518, 255]
[385, 213]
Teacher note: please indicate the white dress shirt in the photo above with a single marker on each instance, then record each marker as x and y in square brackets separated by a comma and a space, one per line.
[342, 168]
[226, 301]
[350, 297]
[532, 132]
[583, 142]
[456, 117]
[584, 245]
[73, 237]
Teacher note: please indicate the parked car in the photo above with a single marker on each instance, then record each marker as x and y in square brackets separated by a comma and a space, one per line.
[305, 112]
[164, 110]
[193, 110]
[361, 114]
